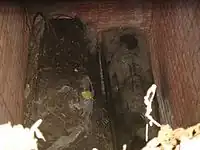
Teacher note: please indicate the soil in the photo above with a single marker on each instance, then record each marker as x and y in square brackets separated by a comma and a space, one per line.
[65, 69]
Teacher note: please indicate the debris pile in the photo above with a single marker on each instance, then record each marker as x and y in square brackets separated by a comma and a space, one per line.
[19, 138]
[178, 139]
[169, 139]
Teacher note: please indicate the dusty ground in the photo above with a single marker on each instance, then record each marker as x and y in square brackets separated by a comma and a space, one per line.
[129, 72]
[57, 99]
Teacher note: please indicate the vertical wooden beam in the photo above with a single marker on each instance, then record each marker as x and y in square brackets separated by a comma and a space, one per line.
[175, 55]
[13, 59]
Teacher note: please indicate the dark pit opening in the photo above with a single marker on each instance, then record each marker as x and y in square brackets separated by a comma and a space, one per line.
[129, 40]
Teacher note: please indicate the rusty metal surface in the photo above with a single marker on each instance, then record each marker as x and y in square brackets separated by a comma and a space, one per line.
[175, 55]
[13, 58]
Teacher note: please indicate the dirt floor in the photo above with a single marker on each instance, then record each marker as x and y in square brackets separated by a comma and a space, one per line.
[128, 70]
[85, 99]
[70, 119]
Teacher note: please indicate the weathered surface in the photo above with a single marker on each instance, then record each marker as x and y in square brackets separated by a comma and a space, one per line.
[13, 58]
[103, 15]
[175, 55]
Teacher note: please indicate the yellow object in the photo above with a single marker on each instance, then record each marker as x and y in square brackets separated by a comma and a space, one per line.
[87, 95]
